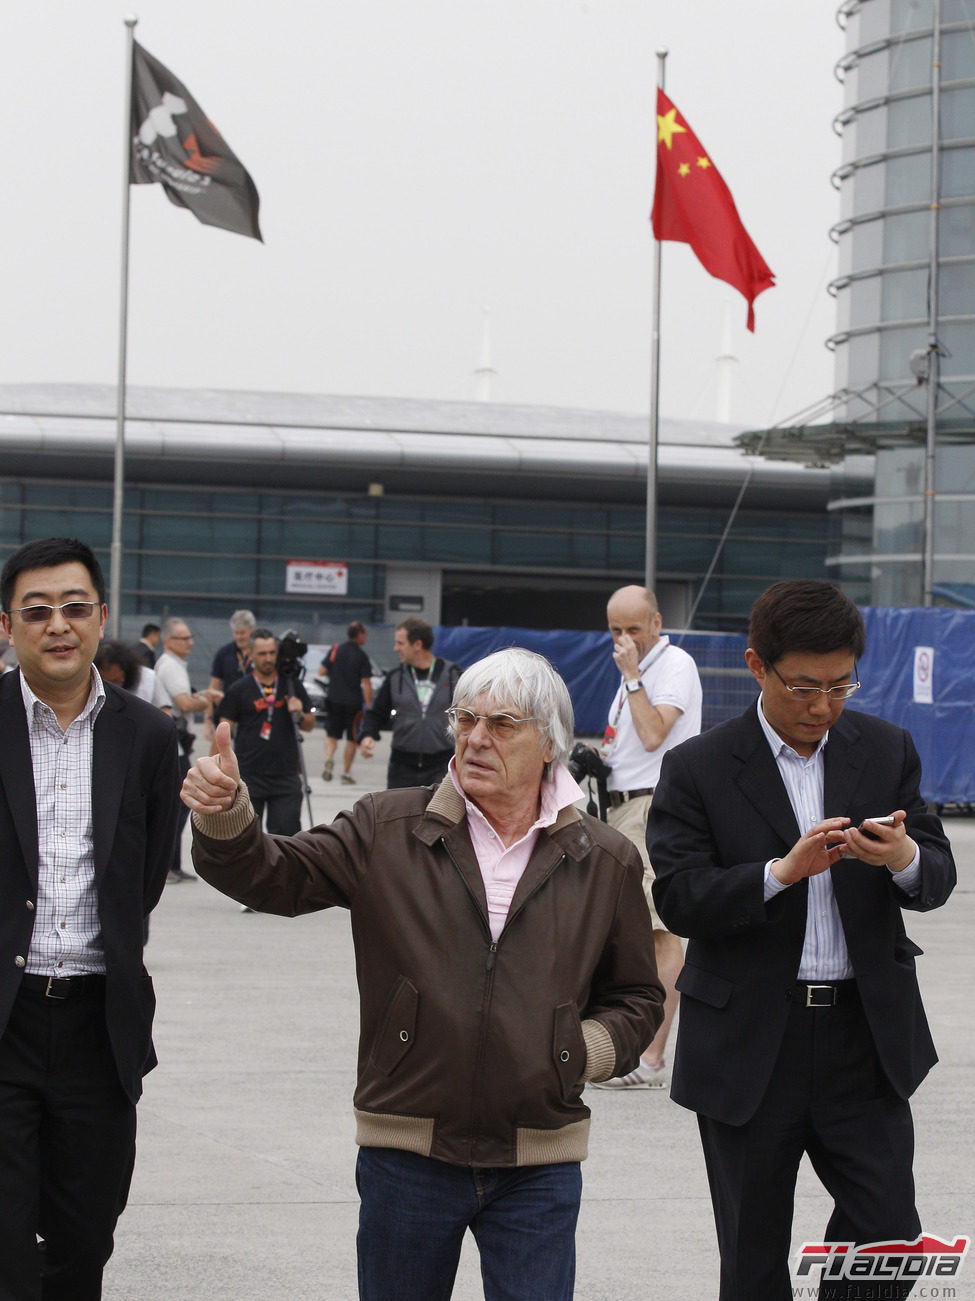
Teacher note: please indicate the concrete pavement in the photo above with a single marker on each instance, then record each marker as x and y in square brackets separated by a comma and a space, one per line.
[244, 1187]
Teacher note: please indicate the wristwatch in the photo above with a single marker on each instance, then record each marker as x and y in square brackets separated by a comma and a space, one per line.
[634, 684]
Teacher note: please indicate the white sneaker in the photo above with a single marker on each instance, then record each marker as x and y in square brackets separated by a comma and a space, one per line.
[643, 1077]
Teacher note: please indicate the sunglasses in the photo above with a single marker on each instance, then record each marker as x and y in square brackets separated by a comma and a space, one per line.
[71, 610]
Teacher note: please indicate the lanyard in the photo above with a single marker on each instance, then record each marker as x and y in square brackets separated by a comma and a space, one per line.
[267, 700]
[424, 687]
[655, 655]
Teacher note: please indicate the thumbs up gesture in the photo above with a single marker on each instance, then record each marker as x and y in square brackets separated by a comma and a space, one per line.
[212, 783]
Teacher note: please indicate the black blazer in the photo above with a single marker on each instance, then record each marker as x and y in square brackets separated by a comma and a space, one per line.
[719, 813]
[135, 787]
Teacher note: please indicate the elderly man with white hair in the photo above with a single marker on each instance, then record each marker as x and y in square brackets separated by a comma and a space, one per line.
[505, 960]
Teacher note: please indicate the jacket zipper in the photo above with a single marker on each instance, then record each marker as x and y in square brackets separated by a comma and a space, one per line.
[476, 1102]
[493, 945]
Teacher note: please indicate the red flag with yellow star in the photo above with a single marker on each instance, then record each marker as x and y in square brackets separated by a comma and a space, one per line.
[692, 204]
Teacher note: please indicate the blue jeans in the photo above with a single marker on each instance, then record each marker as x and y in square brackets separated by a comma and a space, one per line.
[415, 1212]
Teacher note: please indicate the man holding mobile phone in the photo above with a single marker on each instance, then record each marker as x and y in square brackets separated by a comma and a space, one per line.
[786, 843]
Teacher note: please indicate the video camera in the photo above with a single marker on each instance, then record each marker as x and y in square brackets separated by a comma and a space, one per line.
[290, 651]
[585, 763]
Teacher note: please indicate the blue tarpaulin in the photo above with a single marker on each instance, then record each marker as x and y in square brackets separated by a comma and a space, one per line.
[943, 730]
[585, 661]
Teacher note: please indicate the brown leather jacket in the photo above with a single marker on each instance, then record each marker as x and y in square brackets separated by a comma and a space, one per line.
[471, 1051]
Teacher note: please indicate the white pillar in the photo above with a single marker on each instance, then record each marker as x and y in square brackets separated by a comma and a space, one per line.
[484, 374]
[726, 362]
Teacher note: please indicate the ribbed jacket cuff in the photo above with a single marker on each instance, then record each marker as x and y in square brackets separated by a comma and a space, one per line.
[229, 825]
[600, 1052]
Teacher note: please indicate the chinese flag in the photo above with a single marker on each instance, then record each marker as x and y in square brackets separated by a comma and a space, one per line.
[692, 204]
[176, 144]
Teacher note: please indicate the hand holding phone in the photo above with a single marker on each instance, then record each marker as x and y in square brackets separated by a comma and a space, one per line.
[887, 821]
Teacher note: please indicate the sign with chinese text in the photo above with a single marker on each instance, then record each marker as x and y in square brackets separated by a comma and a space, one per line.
[317, 577]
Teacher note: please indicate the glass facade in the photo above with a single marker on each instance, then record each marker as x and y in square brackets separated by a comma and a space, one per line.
[197, 550]
[884, 290]
[885, 188]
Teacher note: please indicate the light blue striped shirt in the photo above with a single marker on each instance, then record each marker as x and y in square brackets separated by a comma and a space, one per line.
[824, 951]
[67, 936]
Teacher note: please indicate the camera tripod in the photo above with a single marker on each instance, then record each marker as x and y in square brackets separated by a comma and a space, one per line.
[288, 682]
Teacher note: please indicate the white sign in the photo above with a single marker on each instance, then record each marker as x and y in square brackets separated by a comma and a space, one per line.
[924, 675]
[317, 577]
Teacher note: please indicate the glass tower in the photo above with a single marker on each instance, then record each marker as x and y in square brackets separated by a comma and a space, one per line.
[891, 257]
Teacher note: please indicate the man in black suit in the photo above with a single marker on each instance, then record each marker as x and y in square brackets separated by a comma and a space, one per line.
[148, 642]
[801, 1025]
[88, 805]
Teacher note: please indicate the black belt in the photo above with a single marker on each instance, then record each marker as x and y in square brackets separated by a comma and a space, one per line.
[62, 987]
[616, 798]
[825, 994]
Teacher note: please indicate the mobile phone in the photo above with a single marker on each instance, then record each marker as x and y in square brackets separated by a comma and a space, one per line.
[887, 821]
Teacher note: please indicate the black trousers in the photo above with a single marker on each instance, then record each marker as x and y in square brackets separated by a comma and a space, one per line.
[176, 865]
[67, 1148]
[827, 1097]
[280, 799]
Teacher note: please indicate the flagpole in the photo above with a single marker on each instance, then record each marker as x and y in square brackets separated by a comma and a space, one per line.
[650, 569]
[115, 569]
[933, 351]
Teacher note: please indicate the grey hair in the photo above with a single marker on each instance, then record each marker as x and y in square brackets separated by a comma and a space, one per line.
[527, 682]
[242, 619]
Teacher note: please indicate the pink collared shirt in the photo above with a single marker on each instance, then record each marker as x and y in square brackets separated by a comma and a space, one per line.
[502, 868]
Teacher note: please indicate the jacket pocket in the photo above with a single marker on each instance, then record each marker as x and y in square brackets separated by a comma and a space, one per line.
[569, 1048]
[395, 1037]
[705, 986]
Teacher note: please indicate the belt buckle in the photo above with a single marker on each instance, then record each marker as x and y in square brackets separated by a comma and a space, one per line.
[48, 994]
[812, 1001]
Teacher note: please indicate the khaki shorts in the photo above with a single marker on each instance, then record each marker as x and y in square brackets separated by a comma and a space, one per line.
[631, 819]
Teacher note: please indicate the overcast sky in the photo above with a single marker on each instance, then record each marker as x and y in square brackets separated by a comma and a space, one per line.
[417, 163]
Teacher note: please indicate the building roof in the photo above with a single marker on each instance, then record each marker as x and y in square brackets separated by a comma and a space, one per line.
[330, 443]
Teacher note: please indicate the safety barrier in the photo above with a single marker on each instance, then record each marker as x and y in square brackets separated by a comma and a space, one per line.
[918, 672]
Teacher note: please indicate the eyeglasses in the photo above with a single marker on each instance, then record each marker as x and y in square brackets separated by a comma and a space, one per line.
[71, 610]
[843, 692]
[501, 726]
[180, 636]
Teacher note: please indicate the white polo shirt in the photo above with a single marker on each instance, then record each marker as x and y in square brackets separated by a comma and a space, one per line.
[669, 677]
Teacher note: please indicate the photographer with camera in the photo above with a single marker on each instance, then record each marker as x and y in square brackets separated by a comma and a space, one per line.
[656, 706]
[261, 707]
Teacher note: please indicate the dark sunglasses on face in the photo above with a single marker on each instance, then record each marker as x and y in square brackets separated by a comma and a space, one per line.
[71, 610]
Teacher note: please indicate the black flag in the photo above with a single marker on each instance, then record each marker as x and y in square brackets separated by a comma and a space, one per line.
[175, 143]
